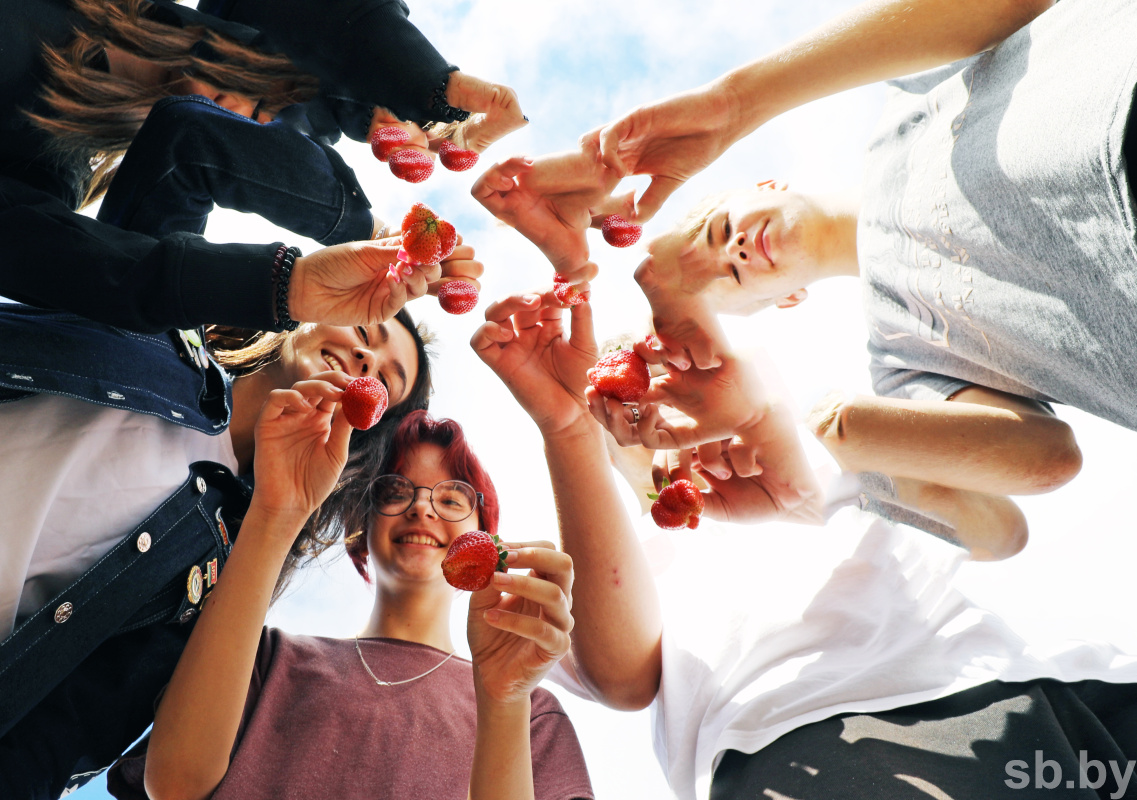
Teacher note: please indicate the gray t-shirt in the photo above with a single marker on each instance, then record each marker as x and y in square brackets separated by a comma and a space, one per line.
[996, 236]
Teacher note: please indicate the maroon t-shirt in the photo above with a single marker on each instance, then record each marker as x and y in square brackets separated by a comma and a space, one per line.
[316, 725]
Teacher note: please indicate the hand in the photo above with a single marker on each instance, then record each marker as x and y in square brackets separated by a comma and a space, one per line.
[523, 341]
[786, 489]
[671, 140]
[459, 265]
[689, 334]
[516, 638]
[721, 403]
[301, 445]
[496, 109]
[352, 284]
[552, 201]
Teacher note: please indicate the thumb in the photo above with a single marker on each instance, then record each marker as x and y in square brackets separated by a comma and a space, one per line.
[340, 436]
[484, 599]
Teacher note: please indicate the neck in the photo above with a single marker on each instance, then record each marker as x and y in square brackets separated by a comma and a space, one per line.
[418, 615]
[838, 256]
[249, 395]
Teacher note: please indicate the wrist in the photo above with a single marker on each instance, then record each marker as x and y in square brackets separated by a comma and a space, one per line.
[282, 273]
[500, 710]
[582, 428]
[279, 520]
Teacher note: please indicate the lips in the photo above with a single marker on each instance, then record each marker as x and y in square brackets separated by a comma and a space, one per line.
[763, 241]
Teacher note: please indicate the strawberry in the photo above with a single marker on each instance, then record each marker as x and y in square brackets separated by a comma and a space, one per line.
[426, 238]
[384, 141]
[621, 374]
[472, 560]
[566, 292]
[678, 505]
[454, 158]
[364, 401]
[412, 166]
[618, 232]
[457, 297]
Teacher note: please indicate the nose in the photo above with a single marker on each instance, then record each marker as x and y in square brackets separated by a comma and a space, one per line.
[422, 505]
[365, 360]
[741, 249]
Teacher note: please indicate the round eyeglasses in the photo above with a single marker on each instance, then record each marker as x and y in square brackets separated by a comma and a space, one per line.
[452, 501]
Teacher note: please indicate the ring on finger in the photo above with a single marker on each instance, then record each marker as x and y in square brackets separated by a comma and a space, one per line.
[635, 415]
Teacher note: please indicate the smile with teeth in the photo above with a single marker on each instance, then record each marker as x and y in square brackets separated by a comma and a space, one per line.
[333, 362]
[418, 538]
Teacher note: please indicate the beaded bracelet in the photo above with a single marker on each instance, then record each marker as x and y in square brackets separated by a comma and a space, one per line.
[282, 275]
[443, 111]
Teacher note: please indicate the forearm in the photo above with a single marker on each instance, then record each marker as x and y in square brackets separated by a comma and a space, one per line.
[877, 40]
[197, 720]
[616, 640]
[503, 763]
[965, 445]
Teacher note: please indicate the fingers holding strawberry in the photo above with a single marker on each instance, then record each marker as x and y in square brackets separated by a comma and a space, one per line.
[301, 445]
[496, 108]
[519, 625]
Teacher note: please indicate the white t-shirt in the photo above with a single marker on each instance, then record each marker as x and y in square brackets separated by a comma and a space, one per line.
[773, 626]
[77, 477]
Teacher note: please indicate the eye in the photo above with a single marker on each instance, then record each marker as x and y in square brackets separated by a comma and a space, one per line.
[726, 229]
[363, 335]
[734, 272]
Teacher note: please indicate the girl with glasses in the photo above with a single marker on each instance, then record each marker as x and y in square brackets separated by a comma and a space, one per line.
[393, 707]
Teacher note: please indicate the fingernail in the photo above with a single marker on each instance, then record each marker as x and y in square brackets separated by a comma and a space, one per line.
[511, 556]
[502, 578]
[408, 270]
[394, 273]
[493, 615]
[531, 298]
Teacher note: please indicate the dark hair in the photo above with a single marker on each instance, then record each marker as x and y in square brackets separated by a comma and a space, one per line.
[95, 115]
[243, 352]
[418, 427]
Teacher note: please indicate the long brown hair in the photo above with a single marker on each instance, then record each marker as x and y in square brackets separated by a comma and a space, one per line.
[95, 115]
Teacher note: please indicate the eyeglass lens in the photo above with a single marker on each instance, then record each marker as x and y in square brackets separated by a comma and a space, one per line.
[453, 501]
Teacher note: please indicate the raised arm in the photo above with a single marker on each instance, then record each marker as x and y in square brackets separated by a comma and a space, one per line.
[301, 450]
[675, 138]
[616, 641]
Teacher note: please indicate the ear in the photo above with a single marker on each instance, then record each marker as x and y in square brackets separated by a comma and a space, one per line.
[792, 299]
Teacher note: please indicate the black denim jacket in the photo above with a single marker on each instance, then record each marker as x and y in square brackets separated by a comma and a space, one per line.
[79, 679]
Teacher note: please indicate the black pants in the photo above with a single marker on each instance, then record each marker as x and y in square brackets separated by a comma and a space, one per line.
[998, 741]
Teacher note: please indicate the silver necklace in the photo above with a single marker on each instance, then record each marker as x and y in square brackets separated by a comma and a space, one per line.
[396, 683]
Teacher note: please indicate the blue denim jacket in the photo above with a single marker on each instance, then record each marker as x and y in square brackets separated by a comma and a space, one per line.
[79, 679]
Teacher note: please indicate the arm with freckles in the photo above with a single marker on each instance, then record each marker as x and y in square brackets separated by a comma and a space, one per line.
[301, 450]
[677, 137]
[616, 642]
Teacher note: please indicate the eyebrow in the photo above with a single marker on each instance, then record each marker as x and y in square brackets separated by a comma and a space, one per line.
[383, 334]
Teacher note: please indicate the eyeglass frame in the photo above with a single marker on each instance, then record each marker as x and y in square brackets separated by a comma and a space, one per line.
[479, 498]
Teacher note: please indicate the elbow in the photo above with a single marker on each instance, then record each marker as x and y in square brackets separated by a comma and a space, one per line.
[624, 689]
[1004, 532]
[1058, 462]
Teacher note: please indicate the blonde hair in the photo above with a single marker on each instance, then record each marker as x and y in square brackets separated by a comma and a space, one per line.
[95, 115]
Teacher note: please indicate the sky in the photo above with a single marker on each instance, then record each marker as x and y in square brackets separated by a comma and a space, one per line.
[576, 65]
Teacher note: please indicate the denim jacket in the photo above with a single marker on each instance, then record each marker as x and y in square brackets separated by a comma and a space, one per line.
[79, 679]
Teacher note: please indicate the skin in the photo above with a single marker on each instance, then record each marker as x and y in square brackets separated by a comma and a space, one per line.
[385, 350]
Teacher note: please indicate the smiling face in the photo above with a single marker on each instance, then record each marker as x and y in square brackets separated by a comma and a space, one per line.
[385, 351]
[755, 248]
[410, 547]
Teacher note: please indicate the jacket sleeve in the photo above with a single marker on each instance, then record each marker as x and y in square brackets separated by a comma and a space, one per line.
[366, 50]
[56, 258]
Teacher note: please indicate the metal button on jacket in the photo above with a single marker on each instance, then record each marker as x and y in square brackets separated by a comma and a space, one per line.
[143, 542]
[63, 613]
[200, 485]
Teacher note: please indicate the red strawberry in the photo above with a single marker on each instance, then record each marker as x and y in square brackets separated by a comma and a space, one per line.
[566, 292]
[412, 166]
[426, 238]
[621, 374]
[384, 141]
[678, 505]
[454, 158]
[618, 232]
[364, 401]
[472, 560]
[457, 297]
